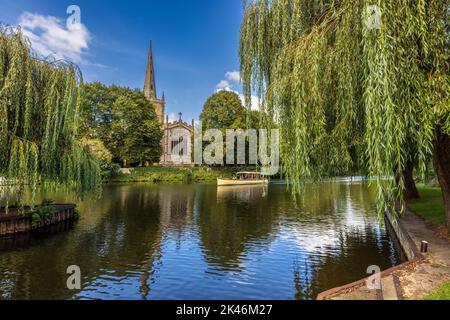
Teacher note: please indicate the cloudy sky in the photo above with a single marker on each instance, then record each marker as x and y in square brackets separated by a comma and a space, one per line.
[195, 42]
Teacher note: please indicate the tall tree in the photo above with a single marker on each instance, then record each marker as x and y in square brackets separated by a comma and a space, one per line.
[224, 110]
[96, 111]
[39, 113]
[221, 110]
[370, 76]
[142, 134]
[124, 120]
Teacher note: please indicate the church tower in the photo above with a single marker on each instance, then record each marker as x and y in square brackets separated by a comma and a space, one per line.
[176, 142]
[150, 88]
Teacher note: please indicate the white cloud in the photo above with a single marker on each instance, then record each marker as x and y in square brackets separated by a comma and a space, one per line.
[230, 77]
[50, 36]
[172, 117]
[254, 99]
[234, 76]
[254, 102]
[224, 85]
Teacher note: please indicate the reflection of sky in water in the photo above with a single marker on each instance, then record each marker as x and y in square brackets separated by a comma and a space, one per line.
[197, 242]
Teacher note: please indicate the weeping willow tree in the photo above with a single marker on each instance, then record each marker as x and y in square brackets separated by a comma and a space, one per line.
[39, 106]
[350, 82]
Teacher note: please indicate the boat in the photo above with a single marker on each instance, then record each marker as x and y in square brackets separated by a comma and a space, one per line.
[244, 179]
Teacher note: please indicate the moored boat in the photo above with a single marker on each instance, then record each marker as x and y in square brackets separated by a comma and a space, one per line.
[243, 179]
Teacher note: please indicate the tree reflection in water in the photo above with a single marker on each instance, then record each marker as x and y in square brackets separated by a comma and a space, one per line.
[201, 242]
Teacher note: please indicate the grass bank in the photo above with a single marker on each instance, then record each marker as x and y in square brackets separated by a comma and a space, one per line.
[163, 174]
[430, 206]
[442, 294]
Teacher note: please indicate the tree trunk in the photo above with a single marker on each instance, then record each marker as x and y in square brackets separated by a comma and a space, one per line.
[410, 191]
[442, 163]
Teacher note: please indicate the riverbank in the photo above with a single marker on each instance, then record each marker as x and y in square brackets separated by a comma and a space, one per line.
[424, 275]
[433, 271]
[442, 294]
[176, 174]
[430, 206]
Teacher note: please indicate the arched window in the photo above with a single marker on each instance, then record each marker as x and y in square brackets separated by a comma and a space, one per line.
[181, 144]
[178, 146]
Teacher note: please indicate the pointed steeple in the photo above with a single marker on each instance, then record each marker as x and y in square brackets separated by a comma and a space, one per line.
[150, 84]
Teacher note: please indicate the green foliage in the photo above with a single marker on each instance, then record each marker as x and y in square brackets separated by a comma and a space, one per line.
[124, 120]
[114, 171]
[42, 212]
[104, 157]
[39, 112]
[430, 205]
[224, 110]
[96, 113]
[221, 110]
[98, 149]
[162, 174]
[442, 294]
[346, 95]
[76, 215]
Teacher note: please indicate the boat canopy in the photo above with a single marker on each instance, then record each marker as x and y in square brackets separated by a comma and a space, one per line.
[249, 175]
[249, 172]
[252, 172]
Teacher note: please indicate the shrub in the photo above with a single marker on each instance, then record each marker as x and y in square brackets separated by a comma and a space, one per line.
[42, 212]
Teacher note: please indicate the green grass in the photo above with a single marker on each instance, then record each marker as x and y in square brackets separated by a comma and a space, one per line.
[442, 294]
[162, 174]
[430, 206]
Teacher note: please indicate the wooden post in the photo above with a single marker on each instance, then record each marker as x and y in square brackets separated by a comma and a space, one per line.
[424, 247]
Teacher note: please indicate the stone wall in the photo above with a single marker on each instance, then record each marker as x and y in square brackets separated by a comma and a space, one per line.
[407, 244]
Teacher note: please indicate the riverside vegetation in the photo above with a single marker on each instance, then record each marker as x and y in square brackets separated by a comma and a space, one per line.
[430, 205]
[183, 174]
[39, 121]
[358, 84]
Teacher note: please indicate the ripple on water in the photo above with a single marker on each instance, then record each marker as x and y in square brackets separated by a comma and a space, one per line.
[196, 242]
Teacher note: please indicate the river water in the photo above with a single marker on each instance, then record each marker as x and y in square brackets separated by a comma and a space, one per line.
[203, 242]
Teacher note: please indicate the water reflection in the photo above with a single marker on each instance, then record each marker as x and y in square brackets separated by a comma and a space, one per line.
[201, 242]
[241, 193]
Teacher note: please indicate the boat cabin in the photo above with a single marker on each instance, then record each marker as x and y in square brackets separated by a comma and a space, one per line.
[249, 176]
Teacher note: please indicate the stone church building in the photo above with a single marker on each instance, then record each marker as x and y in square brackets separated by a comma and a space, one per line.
[177, 139]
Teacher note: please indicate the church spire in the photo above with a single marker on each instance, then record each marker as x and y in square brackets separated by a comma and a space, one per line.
[150, 85]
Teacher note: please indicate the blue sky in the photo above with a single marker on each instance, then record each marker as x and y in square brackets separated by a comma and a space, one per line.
[195, 43]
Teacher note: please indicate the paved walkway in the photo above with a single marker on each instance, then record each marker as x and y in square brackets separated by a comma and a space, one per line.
[428, 276]
[414, 281]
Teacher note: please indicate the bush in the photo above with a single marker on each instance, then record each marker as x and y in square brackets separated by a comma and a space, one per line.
[104, 157]
[162, 174]
[110, 171]
[42, 212]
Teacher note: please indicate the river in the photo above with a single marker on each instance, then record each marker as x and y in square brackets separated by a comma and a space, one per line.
[203, 242]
